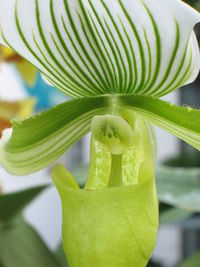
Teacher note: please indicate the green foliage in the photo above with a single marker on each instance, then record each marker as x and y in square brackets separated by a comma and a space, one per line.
[11, 204]
[60, 255]
[153, 264]
[193, 3]
[173, 215]
[192, 261]
[20, 244]
[179, 187]
[184, 160]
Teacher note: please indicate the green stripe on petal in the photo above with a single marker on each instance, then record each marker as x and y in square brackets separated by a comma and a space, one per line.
[37, 142]
[88, 48]
[183, 122]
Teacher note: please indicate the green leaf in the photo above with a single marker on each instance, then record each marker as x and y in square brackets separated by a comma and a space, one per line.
[179, 187]
[40, 140]
[20, 245]
[60, 255]
[192, 261]
[11, 204]
[153, 264]
[173, 215]
[88, 48]
[184, 159]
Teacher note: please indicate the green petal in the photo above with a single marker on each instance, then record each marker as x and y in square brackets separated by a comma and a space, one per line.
[115, 226]
[183, 122]
[87, 47]
[37, 142]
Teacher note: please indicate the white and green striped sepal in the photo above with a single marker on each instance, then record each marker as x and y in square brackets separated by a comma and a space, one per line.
[95, 47]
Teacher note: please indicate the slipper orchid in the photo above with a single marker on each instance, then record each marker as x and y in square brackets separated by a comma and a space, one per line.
[117, 58]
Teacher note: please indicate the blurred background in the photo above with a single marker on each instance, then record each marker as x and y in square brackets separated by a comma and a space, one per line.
[178, 174]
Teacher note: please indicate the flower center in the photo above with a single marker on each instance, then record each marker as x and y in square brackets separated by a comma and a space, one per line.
[112, 131]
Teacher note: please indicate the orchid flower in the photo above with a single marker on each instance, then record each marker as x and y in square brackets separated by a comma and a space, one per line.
[26, 70]
[116, 59]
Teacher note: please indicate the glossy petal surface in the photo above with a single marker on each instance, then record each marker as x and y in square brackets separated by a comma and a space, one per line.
[87, 47]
